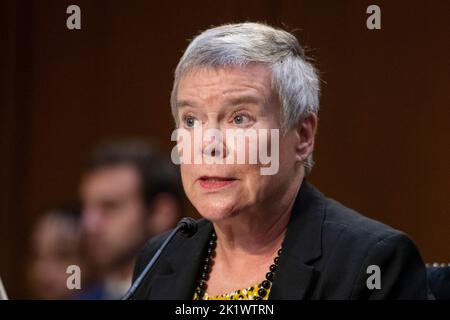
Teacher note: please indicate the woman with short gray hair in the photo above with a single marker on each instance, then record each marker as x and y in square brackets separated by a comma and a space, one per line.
[265, 236]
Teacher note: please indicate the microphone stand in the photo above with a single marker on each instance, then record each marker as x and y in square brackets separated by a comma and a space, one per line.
[188, 227]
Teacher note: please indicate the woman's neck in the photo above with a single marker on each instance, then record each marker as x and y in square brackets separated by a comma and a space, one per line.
[258, 233]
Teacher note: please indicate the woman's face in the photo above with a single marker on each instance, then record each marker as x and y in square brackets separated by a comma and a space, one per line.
[227, 99]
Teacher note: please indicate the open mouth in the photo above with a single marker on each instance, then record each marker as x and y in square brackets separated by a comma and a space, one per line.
[208, 182]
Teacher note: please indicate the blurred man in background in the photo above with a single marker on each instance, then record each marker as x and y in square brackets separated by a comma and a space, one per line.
[129, 192]
[55, 245]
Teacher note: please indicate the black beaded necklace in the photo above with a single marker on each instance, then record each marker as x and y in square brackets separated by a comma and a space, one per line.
[206, 269]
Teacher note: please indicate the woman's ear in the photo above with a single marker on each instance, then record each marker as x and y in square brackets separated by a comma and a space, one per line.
[306, 132]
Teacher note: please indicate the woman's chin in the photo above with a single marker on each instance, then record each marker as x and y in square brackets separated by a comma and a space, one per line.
[216, 212]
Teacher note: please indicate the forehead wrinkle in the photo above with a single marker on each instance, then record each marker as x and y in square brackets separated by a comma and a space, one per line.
[251, 88]
[216, 76]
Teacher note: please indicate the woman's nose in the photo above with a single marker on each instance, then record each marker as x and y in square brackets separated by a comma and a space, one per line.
[213, 142]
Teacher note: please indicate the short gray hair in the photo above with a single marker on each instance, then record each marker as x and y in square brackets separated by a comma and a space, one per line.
[293, 77]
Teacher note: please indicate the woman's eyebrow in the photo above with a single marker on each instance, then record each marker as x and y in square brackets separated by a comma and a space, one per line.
[231, 101]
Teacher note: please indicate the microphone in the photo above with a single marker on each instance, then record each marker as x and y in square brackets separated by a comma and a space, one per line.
[188, 227]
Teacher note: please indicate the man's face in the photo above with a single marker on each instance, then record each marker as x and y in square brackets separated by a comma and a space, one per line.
[113, 214]
[233, 98]
[55, 246]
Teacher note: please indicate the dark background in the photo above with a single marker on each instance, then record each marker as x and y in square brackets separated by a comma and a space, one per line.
[383, 140]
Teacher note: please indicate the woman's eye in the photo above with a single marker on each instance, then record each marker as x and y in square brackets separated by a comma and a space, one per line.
[240, 119]
[189, 121]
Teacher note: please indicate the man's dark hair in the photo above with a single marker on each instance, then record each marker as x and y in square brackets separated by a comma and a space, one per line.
[156, 172]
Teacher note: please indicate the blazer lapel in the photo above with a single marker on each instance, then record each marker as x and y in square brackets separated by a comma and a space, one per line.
[302, 245]
[292, 281]
[180, 268]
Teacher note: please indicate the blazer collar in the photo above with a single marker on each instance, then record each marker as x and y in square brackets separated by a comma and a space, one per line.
[179, 269]
[302, 245]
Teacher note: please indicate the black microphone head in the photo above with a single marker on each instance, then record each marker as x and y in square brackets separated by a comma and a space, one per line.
[188, 226]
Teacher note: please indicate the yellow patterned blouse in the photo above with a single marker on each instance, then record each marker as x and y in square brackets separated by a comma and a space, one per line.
[242, 294]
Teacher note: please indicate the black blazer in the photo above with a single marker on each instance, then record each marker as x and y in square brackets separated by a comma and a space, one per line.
[326, 252]
[439, 282]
